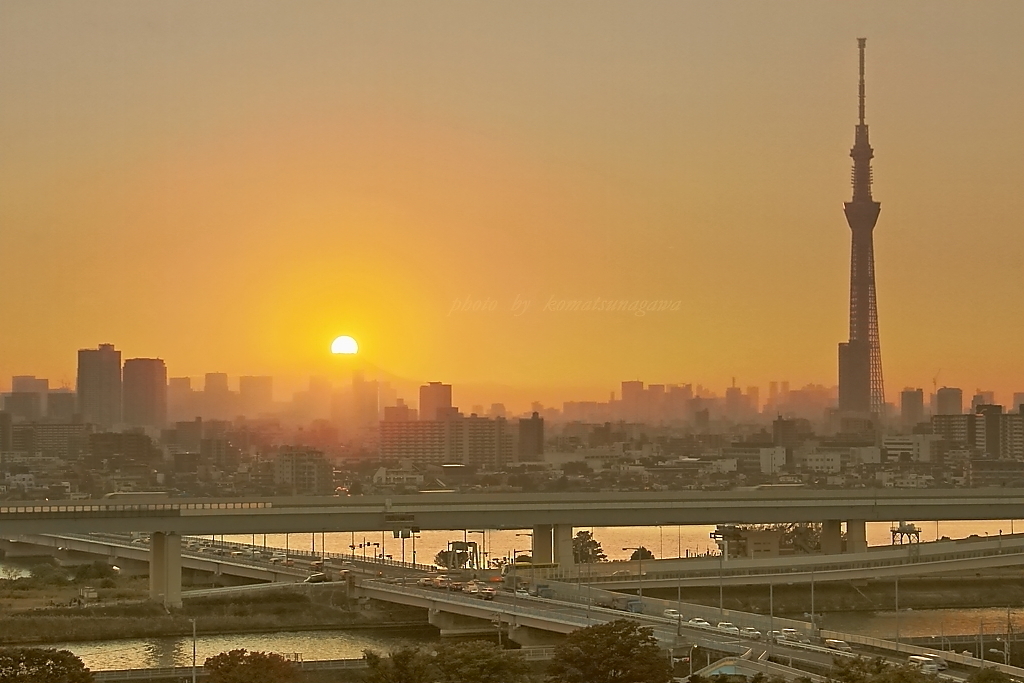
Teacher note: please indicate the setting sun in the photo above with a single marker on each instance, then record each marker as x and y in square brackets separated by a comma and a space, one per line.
[344, 344]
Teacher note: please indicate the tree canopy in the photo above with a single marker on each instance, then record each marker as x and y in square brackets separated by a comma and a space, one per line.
[641, 553]
[586, 549]
[39, 665]
[619, 651]
[407, 665]
[242, 666]
[878, 671]
[451, 559]
[479, 661]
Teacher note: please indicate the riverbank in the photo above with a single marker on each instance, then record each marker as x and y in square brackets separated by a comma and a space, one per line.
[267, 612]
[866, 596]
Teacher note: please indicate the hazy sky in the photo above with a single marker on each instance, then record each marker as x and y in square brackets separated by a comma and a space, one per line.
[229, 185]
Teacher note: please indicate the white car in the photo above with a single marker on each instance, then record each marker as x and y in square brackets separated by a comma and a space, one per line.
[699, 623]
[522, 593]
[672, 614]
[750, 632]
[728, 627]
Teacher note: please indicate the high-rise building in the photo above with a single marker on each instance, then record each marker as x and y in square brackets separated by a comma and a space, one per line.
[982, 398]
[144, 383]
[181, 400]
[531, 438]
[949, 401]
[303, 472]
[480, 442]
[99, 385]
[399, 412]
[1018, 401]
[256, 394]
[911, 406]
[60, 405]
[6, 432]
[30, 384]
[435, 397]
[24, 405]
[861, 388]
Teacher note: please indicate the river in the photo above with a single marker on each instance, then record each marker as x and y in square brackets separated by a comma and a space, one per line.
[177, 651]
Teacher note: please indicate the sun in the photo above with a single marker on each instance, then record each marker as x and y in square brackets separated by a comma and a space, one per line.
[344, 344]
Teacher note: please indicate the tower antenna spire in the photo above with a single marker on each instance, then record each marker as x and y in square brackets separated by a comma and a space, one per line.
[861, 42]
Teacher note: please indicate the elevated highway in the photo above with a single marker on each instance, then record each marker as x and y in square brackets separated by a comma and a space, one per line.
[551, 516]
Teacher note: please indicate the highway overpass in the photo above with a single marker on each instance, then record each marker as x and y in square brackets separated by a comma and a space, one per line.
[551, 516]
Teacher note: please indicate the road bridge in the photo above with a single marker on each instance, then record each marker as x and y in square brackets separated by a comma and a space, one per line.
[551, 516]
[909, 560]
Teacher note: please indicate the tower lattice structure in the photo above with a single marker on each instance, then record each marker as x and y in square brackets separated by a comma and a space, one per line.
[861, 388]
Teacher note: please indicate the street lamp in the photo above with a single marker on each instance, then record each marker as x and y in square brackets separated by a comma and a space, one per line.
[723, 549]
[640, 569]
[193, 650]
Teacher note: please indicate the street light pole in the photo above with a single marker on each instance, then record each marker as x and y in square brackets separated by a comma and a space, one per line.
[640, 569]
[193, 650]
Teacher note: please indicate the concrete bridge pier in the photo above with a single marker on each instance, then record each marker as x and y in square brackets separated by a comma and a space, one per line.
[542, 548]
[856, 536]
[165, 568]
[533, 637]
[459, 625]
[832, 537]
[563, 546]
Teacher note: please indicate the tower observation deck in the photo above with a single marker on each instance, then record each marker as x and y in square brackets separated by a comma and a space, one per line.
[861, 389]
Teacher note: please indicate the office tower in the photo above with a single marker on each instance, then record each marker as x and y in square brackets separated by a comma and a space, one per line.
[99, 385]
[949, 401]
[531, 438]
[365, 402]
[399, 412]
[217, 397]
[1018, 401]
[181, 400]
[60, 405]
[861, 388]
[23, 405]
[435, 397]
[982, 398]
[144, 387]
[256, 394]
[911, 406]
[754, 400]
[988, 429]
[29, 384]
[6, 431]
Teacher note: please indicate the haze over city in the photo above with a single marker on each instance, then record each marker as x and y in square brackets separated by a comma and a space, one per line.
[230, 187]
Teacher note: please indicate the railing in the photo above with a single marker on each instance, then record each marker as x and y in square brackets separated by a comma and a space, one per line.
[115, 509]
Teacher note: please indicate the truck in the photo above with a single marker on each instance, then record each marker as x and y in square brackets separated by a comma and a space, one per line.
[626, 603]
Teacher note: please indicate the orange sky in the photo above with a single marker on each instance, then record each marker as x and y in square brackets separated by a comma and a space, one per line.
[230, 185]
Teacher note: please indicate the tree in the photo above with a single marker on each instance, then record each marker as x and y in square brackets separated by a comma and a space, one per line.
[242, 666]
[451, 559]
[877, 671]
[620, 651]
[641, 553]
[407, 665]
[988, 675]
[586, 549]
[38, 665]
[479, 662]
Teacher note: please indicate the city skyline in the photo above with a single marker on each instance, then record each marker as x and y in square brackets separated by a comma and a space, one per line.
[667, 168]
